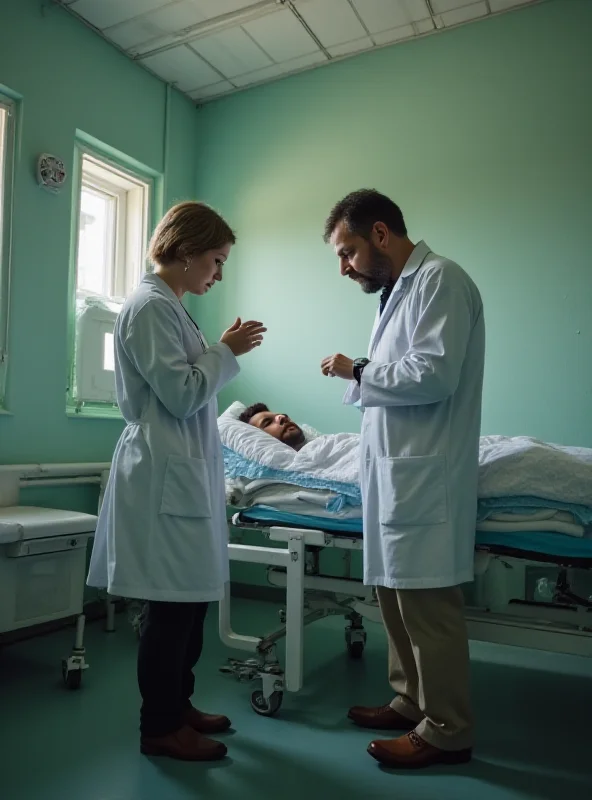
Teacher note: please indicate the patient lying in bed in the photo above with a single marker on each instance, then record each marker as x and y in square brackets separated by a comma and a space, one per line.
[524, 484]
[280, 426]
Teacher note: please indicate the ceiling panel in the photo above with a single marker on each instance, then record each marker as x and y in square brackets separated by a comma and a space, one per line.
[504, 5]
[215, 8]
[219, 46]
[441, 6]
[382, 15]
[281, 36]
[357, 46]
[183, 67]
[171, 17]
[464, 14]
[156, 25]
[394, 35]
[233, 52]
[105, 13]
[424, 26]
[310, 60]
[333, 21]
[213, 90]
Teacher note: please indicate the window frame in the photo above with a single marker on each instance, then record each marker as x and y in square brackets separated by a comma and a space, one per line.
[136, 173]
[7, 171]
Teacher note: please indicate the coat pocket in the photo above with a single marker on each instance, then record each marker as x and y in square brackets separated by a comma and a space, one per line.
[186, 488]
[413, 491]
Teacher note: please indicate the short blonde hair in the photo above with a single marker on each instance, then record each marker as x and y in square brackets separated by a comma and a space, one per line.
[187, 230]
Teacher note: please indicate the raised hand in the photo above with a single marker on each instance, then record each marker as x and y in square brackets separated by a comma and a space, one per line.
[242, 337]
[338, 365]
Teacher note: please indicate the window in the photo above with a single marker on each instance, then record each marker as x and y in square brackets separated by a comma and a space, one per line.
[113, 213]
[112, 230]
[6, 171]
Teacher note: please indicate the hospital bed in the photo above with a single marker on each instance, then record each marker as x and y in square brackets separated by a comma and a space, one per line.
[293, 559]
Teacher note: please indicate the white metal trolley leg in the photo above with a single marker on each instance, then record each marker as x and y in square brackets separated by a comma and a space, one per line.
[74, 666]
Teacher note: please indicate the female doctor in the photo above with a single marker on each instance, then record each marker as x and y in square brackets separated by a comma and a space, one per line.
[162, 533]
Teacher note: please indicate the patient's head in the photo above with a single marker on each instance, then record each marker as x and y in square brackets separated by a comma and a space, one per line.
[280, 426]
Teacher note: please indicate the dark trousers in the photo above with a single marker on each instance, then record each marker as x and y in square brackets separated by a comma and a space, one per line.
[171, 641]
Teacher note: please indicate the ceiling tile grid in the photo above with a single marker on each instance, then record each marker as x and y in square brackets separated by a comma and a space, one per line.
[210, 48]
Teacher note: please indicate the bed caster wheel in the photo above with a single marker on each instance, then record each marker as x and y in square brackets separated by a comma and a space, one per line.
[266, 707]
[72, 677]
[355, 639]
[355, 650]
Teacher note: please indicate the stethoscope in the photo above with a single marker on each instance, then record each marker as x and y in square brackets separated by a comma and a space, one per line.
[202, 341]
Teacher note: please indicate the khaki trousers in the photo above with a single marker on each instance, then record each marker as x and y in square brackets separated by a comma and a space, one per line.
[429, 662]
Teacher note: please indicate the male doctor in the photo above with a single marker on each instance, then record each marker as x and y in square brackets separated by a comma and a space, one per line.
[420, 393]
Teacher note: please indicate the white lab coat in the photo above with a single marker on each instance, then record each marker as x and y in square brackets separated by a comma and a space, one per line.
[162, 532]
[421, 401]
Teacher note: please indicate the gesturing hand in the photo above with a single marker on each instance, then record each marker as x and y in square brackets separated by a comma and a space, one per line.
[338, 365]
[242, 337]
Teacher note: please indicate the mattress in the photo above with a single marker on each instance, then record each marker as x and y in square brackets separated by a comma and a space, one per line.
[549, 546]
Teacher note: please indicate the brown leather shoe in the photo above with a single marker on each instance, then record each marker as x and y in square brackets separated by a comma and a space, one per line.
[384, 718]
[184, 745]
[412, 752]
[206, 723]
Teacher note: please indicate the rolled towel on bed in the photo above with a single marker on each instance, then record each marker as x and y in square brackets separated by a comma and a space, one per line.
[552, 524]
[516, 509]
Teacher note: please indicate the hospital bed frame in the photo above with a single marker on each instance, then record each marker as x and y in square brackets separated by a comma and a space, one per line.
[311, 596]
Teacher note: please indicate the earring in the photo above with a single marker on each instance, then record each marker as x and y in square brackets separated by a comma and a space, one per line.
[186, 266]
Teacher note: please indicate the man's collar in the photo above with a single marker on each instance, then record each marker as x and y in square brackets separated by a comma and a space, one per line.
[416, 259]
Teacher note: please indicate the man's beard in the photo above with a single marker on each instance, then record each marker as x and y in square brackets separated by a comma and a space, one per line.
[380, 269]
[294, 437]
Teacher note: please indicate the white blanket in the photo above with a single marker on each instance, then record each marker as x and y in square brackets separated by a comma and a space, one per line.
[521, 466]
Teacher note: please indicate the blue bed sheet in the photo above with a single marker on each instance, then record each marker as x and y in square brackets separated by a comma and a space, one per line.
[545, 543]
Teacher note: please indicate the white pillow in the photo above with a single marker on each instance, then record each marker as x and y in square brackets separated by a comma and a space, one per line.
[233, 411]
[252, 443]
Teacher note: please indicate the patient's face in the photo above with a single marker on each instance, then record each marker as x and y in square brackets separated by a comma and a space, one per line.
[280, 426]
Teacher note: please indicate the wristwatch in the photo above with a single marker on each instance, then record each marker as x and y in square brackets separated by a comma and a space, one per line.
[359, 364]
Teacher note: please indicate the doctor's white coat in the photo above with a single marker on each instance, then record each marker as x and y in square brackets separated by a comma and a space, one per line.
[421, 401]
[162, 532]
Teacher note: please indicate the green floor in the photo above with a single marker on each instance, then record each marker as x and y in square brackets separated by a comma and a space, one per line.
[533, 712]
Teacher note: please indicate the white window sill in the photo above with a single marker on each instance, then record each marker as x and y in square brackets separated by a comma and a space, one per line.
[94, 412]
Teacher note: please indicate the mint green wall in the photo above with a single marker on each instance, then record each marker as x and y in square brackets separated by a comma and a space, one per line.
[483, 135]
[69, 79]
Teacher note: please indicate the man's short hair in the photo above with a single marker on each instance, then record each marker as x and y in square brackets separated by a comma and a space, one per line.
[250, 412]
[361, 210]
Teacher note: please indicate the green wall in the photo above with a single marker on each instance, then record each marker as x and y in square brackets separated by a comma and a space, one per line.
[69, 79]
[482, 134]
